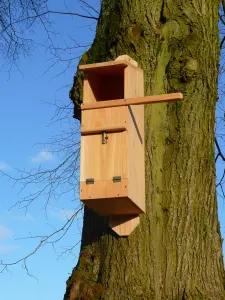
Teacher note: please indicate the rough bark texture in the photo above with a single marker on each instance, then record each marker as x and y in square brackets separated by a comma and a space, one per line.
[176, 252]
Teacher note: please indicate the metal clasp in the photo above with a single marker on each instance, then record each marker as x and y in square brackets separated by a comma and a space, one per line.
[117, 179]
[104, 138]
[90, 181]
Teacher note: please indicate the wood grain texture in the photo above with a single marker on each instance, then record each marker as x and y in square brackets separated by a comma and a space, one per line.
[105, 129]
[102, 189]
[104, 117]
[134, 86]
[98, 67]
[108, 198]
[128, 59]
[173, 97]
[88, 95]
[102, 162]
[124, 225]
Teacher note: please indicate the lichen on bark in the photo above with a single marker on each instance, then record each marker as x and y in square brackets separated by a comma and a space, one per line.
[176, 252]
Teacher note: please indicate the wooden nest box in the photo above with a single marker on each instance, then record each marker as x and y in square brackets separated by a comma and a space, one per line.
[112, 171]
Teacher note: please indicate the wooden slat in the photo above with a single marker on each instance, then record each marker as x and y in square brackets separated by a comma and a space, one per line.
[118, 63]
[104, 117]
[134, 101]
[103, 189]
[103, 129]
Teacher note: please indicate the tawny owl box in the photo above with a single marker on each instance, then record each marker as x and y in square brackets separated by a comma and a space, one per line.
[112, 171]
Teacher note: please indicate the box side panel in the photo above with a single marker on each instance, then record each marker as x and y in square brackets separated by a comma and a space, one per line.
[104, 161]
[136, 158]
[104, 117]
[133, 82]
[88, 95]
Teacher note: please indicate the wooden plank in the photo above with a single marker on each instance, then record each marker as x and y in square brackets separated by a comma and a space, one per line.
[103, 129]
[134, 87]
[113, 206]
[136, 156]
[104, 117]
[104, 189]
[116, 63]
[104, 161]
[88, 95]
[133, 82]
[128, 59]
[134, 101]
[108, 198]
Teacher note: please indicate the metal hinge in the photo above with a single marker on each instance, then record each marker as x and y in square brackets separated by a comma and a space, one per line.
[90, 181]
[104, 138]
[117, 179]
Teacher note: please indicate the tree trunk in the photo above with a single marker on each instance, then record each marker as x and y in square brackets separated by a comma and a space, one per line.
[176, 252]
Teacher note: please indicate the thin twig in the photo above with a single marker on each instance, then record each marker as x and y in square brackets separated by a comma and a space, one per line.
[44, 240]
[219, 150]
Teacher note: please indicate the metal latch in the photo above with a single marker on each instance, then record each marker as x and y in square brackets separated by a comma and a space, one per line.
[117, 179]
[90, 181]
[104, 138]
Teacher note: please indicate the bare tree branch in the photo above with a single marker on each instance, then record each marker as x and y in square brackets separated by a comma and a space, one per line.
[57, 235]
[219, 150]
[89, 6]
[18, 18]
[223, 5]
[222, 42]
[38, 15]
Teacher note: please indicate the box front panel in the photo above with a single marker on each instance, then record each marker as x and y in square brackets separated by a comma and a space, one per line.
[103, 189]
[103, 161]
[104, 117]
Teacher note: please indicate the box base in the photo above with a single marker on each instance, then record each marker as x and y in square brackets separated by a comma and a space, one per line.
[113, 206]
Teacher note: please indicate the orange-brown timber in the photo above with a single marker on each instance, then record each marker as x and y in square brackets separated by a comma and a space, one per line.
[176, 251]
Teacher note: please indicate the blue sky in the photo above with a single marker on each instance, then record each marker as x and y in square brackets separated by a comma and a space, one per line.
[24, 122]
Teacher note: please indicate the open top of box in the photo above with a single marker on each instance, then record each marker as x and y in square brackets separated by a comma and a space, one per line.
[106, 81]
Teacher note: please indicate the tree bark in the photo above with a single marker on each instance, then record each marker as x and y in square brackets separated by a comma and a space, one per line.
[176, 252]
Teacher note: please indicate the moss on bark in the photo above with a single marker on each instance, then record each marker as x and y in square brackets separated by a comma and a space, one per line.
[176, 252]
